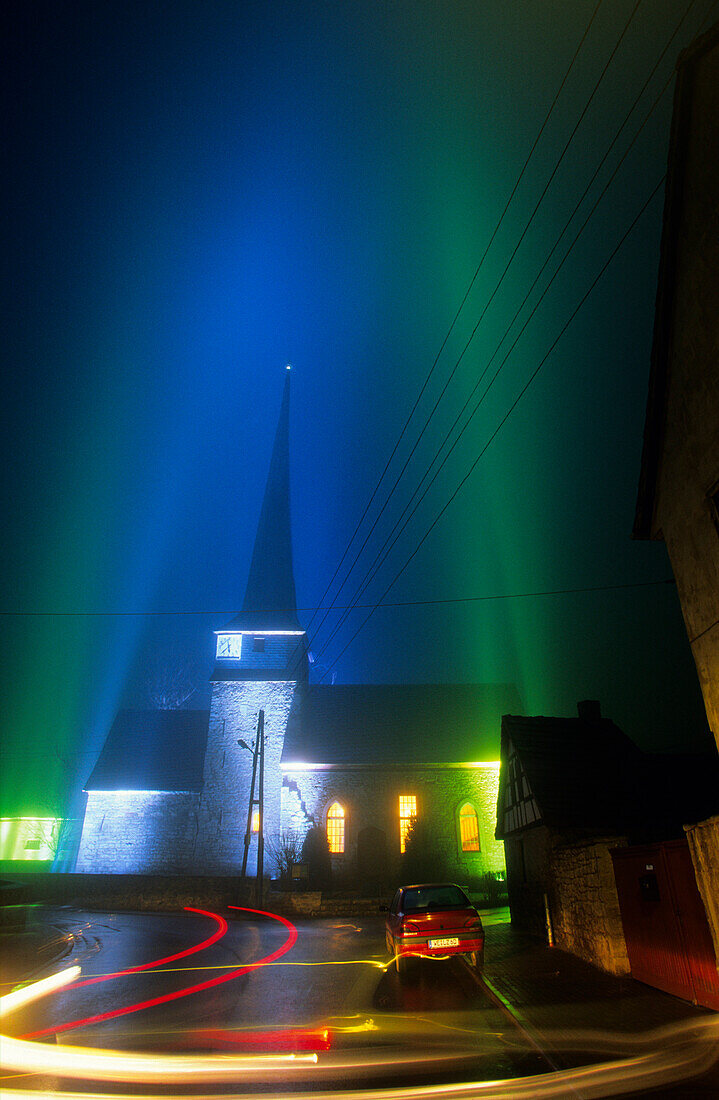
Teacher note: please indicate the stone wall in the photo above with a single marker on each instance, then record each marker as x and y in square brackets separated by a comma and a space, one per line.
[565, 887]
[687, 503]
[138, 832]
[228, 771]
[370, 798]
[584, 904]
[704, 847]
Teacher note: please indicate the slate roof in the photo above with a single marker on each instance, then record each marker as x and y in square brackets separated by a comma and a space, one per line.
[397, 723]
[582, 773]
[270, 602]
[588, 775]
[152, 750]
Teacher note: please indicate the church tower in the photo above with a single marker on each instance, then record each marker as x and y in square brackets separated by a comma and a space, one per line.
[260, 663]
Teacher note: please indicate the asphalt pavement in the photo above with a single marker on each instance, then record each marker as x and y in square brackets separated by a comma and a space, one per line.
[568, 1012]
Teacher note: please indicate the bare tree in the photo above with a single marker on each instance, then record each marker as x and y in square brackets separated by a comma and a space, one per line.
[172, 680]
[286, 850]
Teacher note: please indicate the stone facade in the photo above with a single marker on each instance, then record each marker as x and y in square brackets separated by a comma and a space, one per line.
[584, 904]
[228, 770]
[678, 497]
[138, 832]
[704, 847]
[679, 491]
[563, 889]
[369, 796]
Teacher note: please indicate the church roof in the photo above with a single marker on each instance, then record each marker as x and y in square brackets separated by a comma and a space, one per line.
[397, 723]
[270, 602]
[152, 750]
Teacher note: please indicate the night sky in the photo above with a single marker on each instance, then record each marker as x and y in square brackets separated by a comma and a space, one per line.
[203, 192]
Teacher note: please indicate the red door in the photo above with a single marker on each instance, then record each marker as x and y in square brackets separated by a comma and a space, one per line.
[665, 926]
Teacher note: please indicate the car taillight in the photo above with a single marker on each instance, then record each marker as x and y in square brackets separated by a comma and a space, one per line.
[474, 923]
[408, 928]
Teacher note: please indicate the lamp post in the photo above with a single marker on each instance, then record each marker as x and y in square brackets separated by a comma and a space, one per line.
[258, 758]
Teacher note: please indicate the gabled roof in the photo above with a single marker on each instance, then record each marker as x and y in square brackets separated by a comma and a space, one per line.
[152, 750]
[582, 773]
[588, 775]
[270, 602]
[397, 723]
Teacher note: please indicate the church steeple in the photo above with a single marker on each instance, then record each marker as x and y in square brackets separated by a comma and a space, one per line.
[270, 602]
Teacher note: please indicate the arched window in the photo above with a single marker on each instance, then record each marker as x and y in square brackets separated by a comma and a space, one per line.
[469, 828]
[336, 828]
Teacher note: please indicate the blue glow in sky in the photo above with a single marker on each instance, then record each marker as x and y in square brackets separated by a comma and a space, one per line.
[204, 193]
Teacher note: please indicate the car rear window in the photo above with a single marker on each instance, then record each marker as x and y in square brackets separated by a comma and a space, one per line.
[434, 897]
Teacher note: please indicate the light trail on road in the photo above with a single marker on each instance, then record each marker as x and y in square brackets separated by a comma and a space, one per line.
[663, 1057]
[186, 991]
[217, 935]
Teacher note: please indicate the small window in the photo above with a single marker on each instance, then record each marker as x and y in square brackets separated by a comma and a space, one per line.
[255, 821]
[407, 814]
[336, 828]
[469, 828]
[258, 645]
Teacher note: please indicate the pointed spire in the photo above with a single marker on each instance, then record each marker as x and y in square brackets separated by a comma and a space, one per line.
[270, 602]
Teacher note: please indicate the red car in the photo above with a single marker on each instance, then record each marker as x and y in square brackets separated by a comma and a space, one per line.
[434, 919]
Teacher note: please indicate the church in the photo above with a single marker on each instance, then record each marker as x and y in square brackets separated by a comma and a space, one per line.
[171, 789]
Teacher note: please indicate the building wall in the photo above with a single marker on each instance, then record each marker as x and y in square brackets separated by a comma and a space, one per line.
[138, 832]
[370, 798]
[584, 904]
[685, 515]
[528, 878]
[564, 887]
[228, 771]
[704, 848]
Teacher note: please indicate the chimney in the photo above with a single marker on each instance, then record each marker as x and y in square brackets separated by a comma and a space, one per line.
[589, 710]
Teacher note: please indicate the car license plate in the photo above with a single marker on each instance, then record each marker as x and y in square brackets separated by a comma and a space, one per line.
[448, 941]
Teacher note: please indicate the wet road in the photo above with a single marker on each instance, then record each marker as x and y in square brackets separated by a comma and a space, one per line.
[334, 970]
[240, 986]
[333, 977]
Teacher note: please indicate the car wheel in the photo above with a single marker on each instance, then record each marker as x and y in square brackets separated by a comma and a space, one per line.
[402, 964]
[476, 960]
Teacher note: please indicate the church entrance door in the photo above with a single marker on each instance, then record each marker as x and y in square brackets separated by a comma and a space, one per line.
[372, 859]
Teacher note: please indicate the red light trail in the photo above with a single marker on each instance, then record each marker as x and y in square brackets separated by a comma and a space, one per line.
[165, 998]
[217, 935]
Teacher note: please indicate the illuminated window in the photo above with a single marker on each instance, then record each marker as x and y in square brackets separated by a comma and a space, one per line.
[229, 645]
[336, 828]
[255, 821]
[407, 814]
[469, 828]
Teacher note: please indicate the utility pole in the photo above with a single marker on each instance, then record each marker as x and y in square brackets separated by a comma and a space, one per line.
[258, 757]
[261, 834]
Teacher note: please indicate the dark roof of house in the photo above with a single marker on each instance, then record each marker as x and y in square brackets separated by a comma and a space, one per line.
[655, 418]
[270, 602]
[582, 773]
[152, 750]
[587, 774]
[397, 723]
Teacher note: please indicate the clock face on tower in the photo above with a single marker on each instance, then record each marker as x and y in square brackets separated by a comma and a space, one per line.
[229, 645]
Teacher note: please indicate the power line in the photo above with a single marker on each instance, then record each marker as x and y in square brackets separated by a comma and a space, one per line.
[506, 416]
[381, 556]
[442, 347]
[487, 304]
[358, 607]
